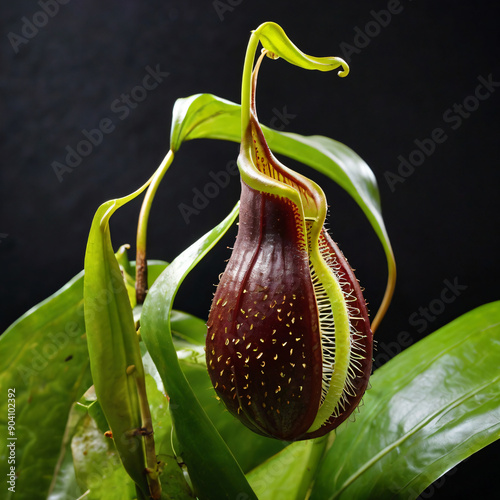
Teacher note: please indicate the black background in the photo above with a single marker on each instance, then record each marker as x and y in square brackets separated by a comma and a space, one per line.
[443, 219]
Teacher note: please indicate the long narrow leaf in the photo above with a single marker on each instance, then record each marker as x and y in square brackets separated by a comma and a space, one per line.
[115, 356]
[214, 472]
[429, 408]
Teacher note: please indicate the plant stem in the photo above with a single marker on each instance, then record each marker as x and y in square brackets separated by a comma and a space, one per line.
[149, 442]
[246, 81]
[141, 269]
[389, 289]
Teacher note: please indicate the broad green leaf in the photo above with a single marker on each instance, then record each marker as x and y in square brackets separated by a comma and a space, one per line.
[64, 484]
[288, 475]
[155, 268]
[208, 116]
[429, 408]
[43, 356]
[212, 468]
[113, 345]
[204, 116]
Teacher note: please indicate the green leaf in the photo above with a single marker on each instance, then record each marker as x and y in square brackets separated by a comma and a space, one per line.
[97, 465]
[207, 116]
[204, 116]
[188, 327]
[288, 475]
[64, 484]
[429, 408]
[212, 468]
[43, 356]
[113, 345]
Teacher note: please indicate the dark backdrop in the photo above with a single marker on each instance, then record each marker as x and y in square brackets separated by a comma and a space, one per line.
[411, 74]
